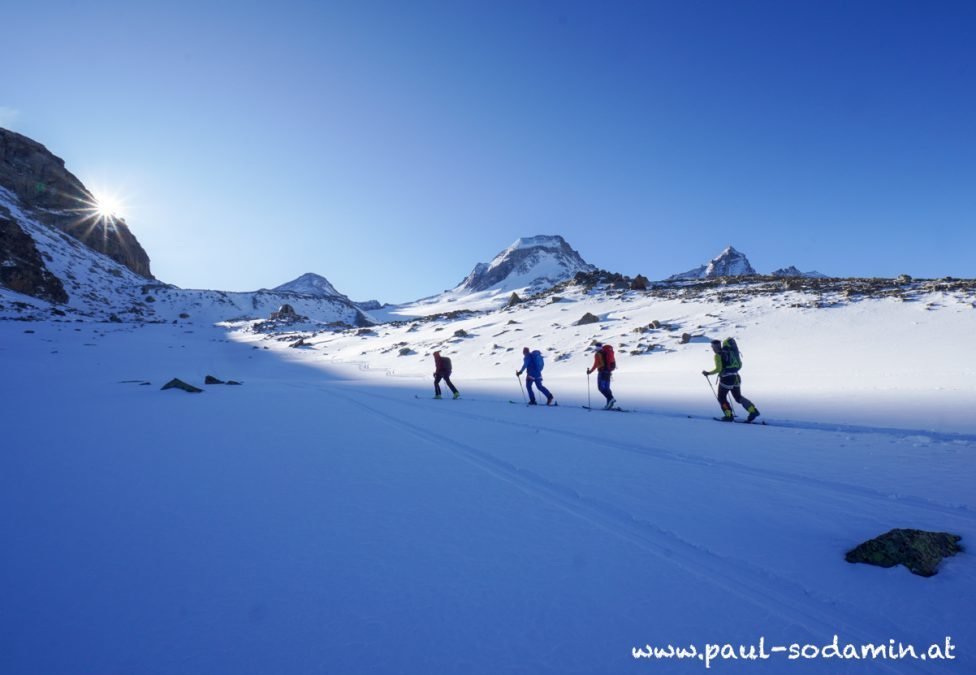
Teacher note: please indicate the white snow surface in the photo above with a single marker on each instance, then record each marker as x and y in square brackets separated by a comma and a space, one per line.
[328, 516]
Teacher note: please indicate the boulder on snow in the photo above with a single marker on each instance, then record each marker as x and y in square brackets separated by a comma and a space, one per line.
[588, 318]
[210, 379]
[918, 550]
[177, 383]
[285, 313]
[513, 299]
[639, 283]
[685, 338]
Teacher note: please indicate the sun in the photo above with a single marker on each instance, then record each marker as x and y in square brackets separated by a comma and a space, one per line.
[107, 206]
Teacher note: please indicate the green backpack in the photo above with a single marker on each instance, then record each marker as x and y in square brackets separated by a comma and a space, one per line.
[731, 357]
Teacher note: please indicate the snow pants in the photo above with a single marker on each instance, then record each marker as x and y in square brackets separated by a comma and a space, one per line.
[447, 381]
[603, 384]
[537, 381]
[732, 383]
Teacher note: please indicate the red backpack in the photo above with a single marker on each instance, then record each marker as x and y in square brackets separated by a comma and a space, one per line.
[609, 362]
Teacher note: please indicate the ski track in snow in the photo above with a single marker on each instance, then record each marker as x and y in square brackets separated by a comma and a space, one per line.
[779, 596]
[962, 512]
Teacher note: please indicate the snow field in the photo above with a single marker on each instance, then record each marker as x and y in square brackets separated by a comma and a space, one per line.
[321, 518]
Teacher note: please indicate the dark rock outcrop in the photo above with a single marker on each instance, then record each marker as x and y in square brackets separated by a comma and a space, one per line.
[21, 267]
[918, 550]
[177, 383]
[285, 313]
[588, 318]
[55, 197]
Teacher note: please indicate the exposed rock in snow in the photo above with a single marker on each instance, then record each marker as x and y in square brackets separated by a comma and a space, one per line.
[792, 271]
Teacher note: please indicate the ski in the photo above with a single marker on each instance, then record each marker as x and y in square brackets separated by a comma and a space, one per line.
[614, 409]
[537, 405]
[753, 423]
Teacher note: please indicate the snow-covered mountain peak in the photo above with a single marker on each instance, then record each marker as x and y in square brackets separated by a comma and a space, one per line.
[536, 262]
[728, 263]
[310, 284]
[540, 240]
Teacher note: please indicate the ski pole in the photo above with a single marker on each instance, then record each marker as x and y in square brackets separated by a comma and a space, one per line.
[709, 380]
[716, 395]
[589, 404]
[521, 387]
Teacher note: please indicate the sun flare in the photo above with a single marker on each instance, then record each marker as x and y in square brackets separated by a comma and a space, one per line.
[107, 206]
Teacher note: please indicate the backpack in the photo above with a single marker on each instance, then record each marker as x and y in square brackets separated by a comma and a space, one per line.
[731, 357]
[537, 360]
[609, 361]
[446, 365]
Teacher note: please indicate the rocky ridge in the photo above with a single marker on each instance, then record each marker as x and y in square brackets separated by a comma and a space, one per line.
[53, 196]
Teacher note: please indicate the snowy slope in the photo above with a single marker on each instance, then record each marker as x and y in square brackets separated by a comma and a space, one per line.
[830, 350]
[94, 282]
[320, 518]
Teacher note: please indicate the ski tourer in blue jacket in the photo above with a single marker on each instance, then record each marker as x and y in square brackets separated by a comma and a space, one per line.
[532, 364]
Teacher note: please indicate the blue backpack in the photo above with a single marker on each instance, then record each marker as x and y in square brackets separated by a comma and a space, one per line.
[537, 360]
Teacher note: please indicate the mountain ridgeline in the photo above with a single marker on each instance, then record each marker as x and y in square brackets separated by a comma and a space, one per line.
[56, 248]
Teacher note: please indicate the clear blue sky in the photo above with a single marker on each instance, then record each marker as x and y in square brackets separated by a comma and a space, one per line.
[390, 146]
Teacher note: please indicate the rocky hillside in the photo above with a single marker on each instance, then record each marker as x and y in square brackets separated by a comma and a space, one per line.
[53, 196]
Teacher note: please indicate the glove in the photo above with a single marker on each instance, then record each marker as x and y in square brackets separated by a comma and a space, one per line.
[705, 373]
